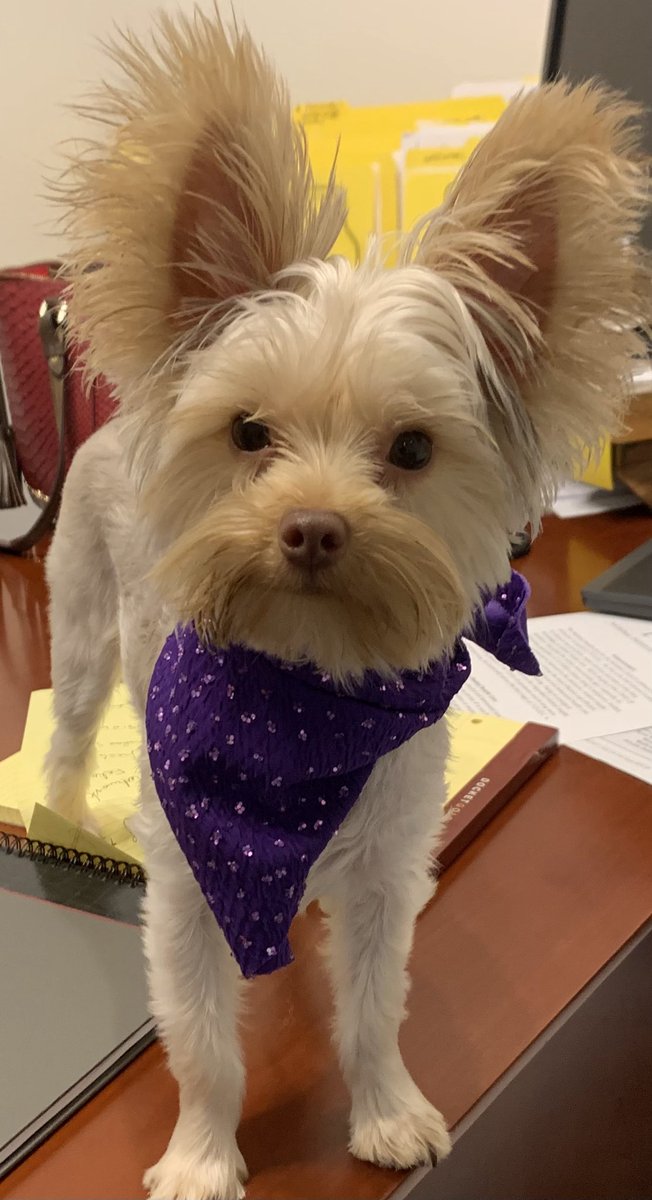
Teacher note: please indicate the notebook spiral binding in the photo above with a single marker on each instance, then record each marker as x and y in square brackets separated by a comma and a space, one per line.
[128, 874]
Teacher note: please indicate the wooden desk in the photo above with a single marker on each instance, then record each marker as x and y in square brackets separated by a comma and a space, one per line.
[531, 912]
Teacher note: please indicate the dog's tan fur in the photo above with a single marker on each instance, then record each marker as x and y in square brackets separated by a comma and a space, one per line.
[504, 335]
[204, 182]
[559, 187]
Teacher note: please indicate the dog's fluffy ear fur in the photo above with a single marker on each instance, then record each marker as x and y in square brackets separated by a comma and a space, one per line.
[201, 194]
[538, 235]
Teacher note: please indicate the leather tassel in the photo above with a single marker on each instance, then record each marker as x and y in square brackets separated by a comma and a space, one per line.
[11, 487]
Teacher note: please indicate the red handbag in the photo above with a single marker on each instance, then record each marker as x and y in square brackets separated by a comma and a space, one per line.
[45, 410]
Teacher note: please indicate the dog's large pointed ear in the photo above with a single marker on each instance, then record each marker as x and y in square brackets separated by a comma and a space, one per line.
[200, 193]
[539, 237]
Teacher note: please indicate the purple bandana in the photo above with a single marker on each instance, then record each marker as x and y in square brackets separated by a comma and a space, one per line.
[257, 762]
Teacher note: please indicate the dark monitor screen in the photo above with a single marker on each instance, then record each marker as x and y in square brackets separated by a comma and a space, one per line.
[607, 39]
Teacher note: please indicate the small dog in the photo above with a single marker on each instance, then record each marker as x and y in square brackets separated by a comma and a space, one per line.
[406, 419]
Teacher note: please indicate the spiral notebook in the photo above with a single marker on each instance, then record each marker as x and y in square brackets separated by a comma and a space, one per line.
[73, 997]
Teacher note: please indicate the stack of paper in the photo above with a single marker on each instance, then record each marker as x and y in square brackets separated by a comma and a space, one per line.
[580, 499]
[595, 687]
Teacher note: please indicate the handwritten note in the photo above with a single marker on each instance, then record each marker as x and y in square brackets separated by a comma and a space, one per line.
[113, 787]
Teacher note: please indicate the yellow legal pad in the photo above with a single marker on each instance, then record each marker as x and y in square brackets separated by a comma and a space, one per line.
[113, 789]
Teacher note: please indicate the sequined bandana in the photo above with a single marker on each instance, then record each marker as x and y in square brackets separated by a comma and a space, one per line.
[257, 762]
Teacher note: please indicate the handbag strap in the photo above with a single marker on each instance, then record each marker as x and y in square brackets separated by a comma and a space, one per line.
[52, 320]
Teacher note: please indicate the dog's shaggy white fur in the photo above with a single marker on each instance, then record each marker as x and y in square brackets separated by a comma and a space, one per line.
[502, 338]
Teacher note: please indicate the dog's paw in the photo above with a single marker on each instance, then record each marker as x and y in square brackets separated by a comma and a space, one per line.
[179, 1176]
[409, 1138]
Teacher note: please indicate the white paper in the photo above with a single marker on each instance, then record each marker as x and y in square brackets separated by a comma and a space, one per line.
[577, 499]
[630, 752]
[596, 677]
[436, 135]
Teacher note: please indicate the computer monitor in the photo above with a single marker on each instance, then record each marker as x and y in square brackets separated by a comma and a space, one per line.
[606, 39]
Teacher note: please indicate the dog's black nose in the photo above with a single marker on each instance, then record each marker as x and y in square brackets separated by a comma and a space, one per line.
[312, 537]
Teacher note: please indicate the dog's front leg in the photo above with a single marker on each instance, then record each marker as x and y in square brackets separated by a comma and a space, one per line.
[392, 1123]
[195, 986]
[380, 882]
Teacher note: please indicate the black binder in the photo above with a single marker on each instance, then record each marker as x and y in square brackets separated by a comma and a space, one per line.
[73, 995]
[624, 589]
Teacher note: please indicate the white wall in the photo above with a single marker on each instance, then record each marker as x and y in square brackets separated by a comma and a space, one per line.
[364, 51]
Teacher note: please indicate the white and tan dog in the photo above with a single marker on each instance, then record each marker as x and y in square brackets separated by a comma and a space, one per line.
[427, 410]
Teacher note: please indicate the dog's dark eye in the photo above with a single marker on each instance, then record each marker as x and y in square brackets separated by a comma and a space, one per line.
[250, 436]
[411, 450]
